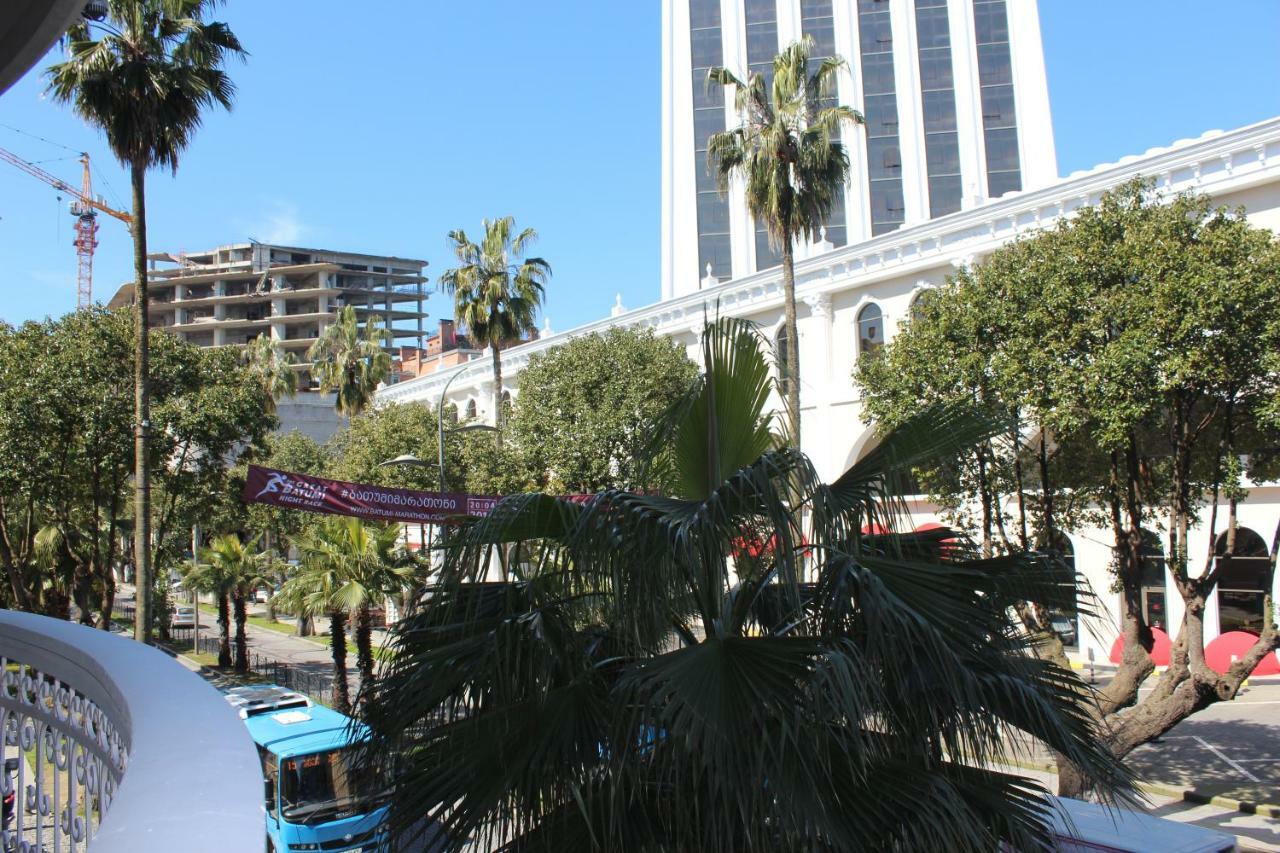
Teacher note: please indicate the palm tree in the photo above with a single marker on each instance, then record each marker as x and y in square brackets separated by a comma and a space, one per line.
[628, 689]
[789, 151]
[272, 367]
[346, 567]
[350, 361]
[145, 78]
[496, 290]
[231, 570]
[309, 593]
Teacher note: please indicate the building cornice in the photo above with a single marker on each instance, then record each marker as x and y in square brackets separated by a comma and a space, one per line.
[1215, 163]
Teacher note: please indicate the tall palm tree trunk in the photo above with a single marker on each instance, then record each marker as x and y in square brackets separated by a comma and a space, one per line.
[224, 624]
[793, 337]
[242, 642]
[338, 648]
[142, 410]
[364, 645]
[497, 387]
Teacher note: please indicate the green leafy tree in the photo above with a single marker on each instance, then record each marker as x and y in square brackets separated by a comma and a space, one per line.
[145, 77]
[496, 290]
[351, 360]
[788, 150]
[207, 416]
[1137, 342]
[273, 369]
[627, 689]
[587, 409]
[67, 443]
[370, 439]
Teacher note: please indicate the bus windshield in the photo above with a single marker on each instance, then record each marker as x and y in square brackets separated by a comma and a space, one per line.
[325, 786]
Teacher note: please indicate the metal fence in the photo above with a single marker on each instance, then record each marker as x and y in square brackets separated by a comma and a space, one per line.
[319, 687]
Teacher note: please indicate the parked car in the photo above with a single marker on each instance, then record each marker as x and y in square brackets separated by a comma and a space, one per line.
[262, 596]
[1064, 627]
[183, 616]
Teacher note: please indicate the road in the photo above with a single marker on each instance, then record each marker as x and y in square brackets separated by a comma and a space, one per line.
[1229, 749]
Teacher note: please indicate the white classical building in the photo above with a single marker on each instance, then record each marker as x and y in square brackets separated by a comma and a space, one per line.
[953, 94]
[858, 295]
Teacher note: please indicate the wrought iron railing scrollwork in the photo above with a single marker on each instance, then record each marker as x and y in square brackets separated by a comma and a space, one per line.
[63, 760]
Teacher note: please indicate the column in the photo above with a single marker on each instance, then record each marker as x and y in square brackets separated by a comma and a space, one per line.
[906, 72]
[964, 66]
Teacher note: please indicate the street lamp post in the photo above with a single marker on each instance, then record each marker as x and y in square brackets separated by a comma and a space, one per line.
[408, 460]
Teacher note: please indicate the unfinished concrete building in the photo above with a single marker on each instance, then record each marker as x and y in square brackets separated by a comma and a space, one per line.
[230, 295]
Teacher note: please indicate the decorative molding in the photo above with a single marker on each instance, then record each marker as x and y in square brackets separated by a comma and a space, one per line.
[959, 238]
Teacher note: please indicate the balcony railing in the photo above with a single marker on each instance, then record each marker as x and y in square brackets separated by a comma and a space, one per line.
[110, 745]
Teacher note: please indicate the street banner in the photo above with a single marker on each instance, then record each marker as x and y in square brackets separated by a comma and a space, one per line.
[376, 503]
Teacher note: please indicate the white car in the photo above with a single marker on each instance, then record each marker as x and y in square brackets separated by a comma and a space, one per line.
[262, 596]
[184, 616]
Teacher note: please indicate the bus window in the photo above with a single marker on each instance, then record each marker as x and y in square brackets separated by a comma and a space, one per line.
[323, 785]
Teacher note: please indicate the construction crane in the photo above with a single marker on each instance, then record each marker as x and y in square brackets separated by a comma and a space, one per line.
[85, 209]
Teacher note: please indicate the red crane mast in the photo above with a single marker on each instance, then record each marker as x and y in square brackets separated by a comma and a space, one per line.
[85, 209]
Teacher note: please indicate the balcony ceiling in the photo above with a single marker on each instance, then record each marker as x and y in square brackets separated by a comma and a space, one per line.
[28, 28]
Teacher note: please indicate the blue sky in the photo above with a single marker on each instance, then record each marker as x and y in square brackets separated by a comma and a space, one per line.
[381, 131]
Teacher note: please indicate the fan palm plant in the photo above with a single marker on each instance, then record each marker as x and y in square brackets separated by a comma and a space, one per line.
[628, 690]
[347, 566]
[496, 290]
[788, 149]
[351, 361]
[272, 367]
[145, 77]
[230, 571]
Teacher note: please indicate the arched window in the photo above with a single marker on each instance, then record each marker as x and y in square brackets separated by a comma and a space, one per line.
[1243, 582]
[1065, 624]
[471, 410]
[506, 405]
[870, 330]
[784, 375]
[918, 302]
[1153, 571]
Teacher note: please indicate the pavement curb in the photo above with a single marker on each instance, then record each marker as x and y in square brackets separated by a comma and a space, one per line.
[1177, 792]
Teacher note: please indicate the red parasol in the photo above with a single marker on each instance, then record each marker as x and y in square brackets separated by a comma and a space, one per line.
[1230, 647]
[1159, 649]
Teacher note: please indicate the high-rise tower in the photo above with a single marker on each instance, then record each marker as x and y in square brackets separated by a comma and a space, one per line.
[953, 91]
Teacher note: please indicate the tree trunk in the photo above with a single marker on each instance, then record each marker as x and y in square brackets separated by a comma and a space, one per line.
[142, 410]
[364, 645]
[497, 387]
[338, 648]
[1046, 493]
[224, 623]
[108, 568]
[242, 642]
[793, 338]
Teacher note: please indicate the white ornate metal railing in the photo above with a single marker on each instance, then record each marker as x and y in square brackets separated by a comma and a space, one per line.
[111, 746]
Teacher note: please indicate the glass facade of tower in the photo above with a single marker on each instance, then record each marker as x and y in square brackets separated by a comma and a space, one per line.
[818, 22]
[880, 108]
[761, 17]
[708, 118]
[942, 130]
[938, 98]
[995, 76]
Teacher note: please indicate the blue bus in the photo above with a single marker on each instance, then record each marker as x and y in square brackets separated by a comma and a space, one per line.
[315, 800]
